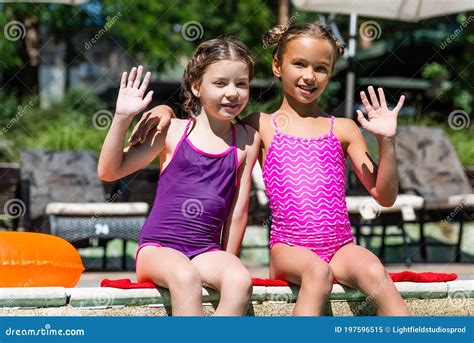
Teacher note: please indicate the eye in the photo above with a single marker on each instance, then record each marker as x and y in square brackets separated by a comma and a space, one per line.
[219, 83]
[299, 64]
[322, 69]
[242, 84]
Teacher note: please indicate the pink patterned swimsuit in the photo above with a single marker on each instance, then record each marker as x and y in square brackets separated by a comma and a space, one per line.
[305, 183]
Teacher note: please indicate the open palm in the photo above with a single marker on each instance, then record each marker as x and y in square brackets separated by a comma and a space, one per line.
[131, 100]
[382, 121]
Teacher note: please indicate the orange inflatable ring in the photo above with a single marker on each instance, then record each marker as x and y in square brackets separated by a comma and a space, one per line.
[37, 260]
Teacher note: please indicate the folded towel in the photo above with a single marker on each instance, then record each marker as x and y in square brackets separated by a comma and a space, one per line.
[396, 277]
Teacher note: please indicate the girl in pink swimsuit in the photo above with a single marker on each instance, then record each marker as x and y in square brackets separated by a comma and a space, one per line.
[305, 149]
[311, 236]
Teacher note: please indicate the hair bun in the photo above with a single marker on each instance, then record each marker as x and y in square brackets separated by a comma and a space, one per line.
[340, 47]
[273, 35]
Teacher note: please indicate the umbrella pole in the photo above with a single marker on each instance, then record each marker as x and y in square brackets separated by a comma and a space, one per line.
[350, 76]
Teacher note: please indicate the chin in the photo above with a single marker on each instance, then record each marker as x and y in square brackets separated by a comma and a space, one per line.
[226, 115]
[305, 100]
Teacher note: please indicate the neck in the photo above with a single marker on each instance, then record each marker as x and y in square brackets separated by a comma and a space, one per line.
[296, 108]
[218, 126]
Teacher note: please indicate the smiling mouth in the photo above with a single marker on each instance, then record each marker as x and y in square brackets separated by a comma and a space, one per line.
[230, 106]
[307, 89]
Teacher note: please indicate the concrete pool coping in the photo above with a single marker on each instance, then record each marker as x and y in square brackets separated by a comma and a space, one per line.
[437, 298]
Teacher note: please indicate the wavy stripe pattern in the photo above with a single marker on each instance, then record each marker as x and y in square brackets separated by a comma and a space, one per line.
[305, 183]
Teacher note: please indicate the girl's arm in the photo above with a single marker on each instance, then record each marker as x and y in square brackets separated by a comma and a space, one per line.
[116, 162]
[381, 181]
[234, 227]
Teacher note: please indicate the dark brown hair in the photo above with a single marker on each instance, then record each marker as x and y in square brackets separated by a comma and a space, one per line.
[281, 35]
[207, 53]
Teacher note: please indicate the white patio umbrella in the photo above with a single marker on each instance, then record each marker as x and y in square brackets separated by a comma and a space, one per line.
[403, 10]
[65, 2]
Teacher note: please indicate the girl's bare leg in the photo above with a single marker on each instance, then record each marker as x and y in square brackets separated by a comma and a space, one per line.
[359, 268]
[227, 274]
[303, 267]
[171, 269]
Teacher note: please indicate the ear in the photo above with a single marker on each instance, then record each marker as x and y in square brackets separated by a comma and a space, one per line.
[195, 90]
[276, 67]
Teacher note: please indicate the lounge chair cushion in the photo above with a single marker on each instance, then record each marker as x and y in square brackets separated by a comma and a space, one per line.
[368, 208]
[95, 209]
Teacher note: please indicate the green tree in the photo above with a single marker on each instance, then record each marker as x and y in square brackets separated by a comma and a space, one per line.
[161, 33]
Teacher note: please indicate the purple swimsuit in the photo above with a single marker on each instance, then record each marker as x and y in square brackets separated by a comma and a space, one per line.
[193, 199]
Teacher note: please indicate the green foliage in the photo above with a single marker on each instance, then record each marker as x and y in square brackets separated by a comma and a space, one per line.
[65, 126]
[161, 33]
[457, 52]
[434, 70]
[8, 57]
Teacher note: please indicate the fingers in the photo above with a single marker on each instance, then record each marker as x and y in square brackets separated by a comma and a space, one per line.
[135, 137]
[134, 79]
[162, 123]
[148, 98]
[131, 77]
[373, 98]
[365, 101]
[400, 104]
[123, 80]
[383, 102]
[145, 82]
[144, 131]
[361, 119]
[136, 83]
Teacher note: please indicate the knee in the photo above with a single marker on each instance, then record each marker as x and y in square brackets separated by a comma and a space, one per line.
[238, 280]
[185, 277]
[374, 272]
[319, 274]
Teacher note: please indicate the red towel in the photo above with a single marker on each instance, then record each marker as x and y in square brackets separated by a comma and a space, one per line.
[396, 277]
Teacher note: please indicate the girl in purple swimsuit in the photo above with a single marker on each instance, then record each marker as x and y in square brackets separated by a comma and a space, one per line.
[305, 153]
[193, 233]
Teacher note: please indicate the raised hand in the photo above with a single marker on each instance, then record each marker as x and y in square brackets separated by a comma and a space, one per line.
[131, 100]
[382, 121]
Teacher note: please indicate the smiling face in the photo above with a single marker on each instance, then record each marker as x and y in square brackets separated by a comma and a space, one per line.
[224, 89]
[305, 68]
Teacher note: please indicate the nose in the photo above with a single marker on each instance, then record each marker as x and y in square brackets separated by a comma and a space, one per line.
[309, 77]
[231, 92]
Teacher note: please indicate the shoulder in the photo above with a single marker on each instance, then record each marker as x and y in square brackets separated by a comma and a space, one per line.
[344, 122]
[248, 139]
[257, 119]
[177, 124]
[246, 134]
[263, 117]
[346, 129]
[173, 132]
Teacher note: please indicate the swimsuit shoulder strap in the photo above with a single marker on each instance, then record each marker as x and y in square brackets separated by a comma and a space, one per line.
[274, 122]
[188, 124]
[332, 125]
